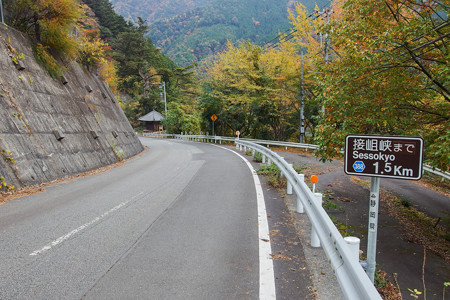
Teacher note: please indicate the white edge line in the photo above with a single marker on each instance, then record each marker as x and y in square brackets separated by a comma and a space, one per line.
[266, 273]
[82, 227]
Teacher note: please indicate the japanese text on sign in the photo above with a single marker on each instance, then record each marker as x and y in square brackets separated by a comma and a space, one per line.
[396, 157]
[373, 208]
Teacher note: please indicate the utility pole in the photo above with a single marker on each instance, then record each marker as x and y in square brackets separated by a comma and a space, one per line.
[327, 11]
[1, 10]
[302, 117]
[163, 94]
[324, 39]
[165, 102]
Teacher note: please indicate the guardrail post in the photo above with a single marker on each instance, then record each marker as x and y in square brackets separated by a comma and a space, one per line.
[263, 159]
[300, 209]
[353, 244]
[281, 173]
[315, 241]
[253, 153]
[289, 185]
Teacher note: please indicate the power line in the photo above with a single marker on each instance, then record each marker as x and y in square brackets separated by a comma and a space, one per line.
[316, 14]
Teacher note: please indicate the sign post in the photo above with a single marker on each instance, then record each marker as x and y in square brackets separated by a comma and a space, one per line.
[373, 227]
[381, 156]
[213, 118]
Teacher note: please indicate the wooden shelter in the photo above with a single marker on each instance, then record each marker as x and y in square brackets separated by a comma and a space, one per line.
[152, 121]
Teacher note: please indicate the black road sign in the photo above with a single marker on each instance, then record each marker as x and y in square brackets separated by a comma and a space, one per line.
[384, 156]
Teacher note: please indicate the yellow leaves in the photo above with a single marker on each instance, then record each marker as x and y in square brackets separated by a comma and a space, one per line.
[300, 21]
[60, 13]
[57, 19]
[4, 185]
[44, 57]
[91, 51]
[108, 72]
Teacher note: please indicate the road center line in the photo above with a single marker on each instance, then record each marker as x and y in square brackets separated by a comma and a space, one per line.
[266, 273]
[82, 227]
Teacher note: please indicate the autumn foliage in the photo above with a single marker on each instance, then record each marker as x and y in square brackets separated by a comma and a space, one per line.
[370, 67]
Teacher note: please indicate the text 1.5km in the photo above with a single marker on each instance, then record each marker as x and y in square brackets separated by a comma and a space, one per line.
[393, 169]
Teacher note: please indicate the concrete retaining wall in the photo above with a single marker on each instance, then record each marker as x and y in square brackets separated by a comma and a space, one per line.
[50, 129]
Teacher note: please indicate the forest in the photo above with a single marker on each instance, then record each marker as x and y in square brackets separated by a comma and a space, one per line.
[369, 67]
[190, 31]
[359, 67]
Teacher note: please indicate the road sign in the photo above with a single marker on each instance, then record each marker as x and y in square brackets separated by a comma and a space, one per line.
[214, 117]
[359, 166]
[384, 156]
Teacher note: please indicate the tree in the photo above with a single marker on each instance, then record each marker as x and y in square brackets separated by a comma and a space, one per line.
[48, 21]
[133, 52]
[253, 91]
[388, 75]
[111, 24]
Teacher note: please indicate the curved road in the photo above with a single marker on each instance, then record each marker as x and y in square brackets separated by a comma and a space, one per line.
[179, 221]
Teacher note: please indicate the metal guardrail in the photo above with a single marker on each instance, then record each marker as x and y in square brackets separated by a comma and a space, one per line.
[436, 171]
[232, 139]
[281, 144]
[164, 135]
[354, 282]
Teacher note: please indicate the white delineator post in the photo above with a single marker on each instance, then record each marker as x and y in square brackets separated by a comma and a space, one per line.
[289, 185]
[300, 209]
[353, 243]
[315, 241]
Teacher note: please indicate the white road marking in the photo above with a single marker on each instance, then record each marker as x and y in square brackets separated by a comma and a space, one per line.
[266, 273]
[82, 227]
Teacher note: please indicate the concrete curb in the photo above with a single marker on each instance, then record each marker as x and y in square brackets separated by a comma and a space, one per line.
[325, 282]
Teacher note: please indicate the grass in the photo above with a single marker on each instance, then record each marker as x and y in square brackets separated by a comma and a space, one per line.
[435, 182]
[420, 229]
[273, 175]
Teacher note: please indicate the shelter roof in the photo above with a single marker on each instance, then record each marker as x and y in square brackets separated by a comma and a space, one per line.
[152, 116]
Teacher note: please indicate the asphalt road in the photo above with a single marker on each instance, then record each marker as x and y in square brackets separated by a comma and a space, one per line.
[179, 221]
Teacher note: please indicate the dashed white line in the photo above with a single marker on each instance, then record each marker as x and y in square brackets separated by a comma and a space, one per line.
[82, 227]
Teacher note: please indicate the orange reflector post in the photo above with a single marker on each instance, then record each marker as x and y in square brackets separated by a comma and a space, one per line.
[314, 179]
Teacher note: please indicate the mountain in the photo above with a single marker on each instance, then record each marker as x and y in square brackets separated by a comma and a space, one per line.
[154, 10]
[192, 30]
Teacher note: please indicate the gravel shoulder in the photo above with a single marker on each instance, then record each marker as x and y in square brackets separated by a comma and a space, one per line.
[395, 253]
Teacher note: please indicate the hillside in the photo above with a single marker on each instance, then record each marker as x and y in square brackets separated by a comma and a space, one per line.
[154, 10]
[190, 31]
[54, 128]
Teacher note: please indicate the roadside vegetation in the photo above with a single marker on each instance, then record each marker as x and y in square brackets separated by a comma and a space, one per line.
[91, 33]
[431, 233]
[391, 80]
[369, 67]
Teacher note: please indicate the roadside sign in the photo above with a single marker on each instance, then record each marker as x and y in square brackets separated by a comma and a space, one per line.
[381, 156]
[214, 117]
[384, 156]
